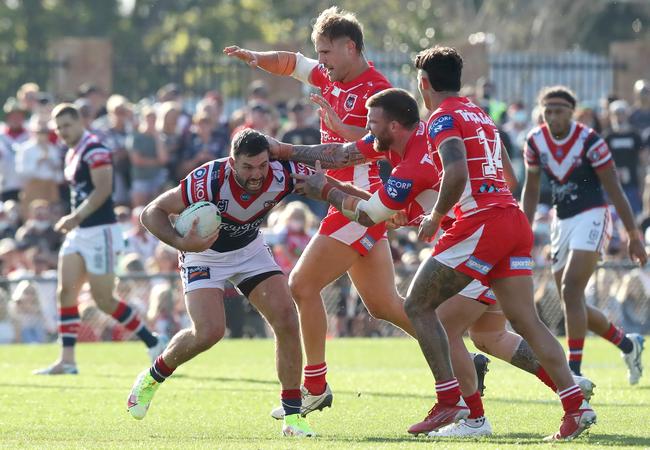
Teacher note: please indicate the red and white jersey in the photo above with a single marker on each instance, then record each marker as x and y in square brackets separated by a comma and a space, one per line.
[414, 182]
[349, 102]
[458, 117]
[571, 165]
[242, 213]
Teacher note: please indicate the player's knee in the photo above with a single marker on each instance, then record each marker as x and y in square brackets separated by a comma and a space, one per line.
[572, 291]
[208, 335]
[299, 287]
[412, 306]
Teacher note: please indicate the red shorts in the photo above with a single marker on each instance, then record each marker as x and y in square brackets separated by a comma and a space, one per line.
[491, 244]
[360, 238]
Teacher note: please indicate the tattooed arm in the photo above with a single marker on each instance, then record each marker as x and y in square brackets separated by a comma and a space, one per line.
[331, 156]
[355, 204]
[454, 178]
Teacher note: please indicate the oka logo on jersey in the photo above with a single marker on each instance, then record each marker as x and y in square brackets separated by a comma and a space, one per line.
[442, 123]
[398, 188]
[350, 102]
[199, 173]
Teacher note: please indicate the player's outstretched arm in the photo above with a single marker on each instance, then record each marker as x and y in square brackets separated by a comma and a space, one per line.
[530, 193]
[275, 62]
[609, 179]
[331, 156]
[155, 218]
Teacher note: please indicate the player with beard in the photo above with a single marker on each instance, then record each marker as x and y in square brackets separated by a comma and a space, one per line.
[245, 187]
[397, 134]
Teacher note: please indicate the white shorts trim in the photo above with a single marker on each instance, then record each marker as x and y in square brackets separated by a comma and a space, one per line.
[99, 247]
[473, 290]
[590, 230]
[210, 269]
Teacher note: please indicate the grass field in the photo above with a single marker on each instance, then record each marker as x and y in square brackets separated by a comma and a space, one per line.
[222, 399]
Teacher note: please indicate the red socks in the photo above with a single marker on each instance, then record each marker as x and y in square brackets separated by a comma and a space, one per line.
[315, 381]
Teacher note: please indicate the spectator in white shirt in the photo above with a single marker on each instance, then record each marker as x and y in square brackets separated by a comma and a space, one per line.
[40, 165]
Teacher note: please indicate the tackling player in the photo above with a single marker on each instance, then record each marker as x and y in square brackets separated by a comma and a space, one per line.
[397, 134]
[93, 240]
[245, 187]
[490, 241]
[580, 166]
[346, 80]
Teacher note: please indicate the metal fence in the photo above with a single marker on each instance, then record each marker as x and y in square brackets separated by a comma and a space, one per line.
[19, 68]
[621, 290]
[518, 76]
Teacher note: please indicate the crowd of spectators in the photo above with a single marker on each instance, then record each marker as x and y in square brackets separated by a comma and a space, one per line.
[158, 140]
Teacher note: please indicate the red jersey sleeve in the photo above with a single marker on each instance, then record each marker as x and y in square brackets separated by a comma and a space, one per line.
[98, 157]
[318, 76]
[197, 185]
[442, 127]
[401, 188]
[598, 154]
[365, 147]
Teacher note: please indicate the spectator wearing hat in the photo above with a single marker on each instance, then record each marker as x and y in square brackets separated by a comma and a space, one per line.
[626, 147]
[300, 129]
[40, 164]
[96, 99]
[25, 310]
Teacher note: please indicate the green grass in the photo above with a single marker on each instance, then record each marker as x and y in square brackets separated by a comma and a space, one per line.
[222, 399]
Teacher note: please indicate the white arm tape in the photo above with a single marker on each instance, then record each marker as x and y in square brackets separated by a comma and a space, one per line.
[375, 209]
[303, 69]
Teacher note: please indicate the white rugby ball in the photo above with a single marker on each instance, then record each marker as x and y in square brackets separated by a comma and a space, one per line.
[208, 215]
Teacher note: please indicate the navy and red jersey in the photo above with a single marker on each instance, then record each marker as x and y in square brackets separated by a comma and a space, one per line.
[414, 182]
[90, 153]
[242, 213]
[349, 102]
[458, 117]
[571, 165]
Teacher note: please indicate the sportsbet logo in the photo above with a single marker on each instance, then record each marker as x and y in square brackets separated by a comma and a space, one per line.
[520, 263]
[480, 266]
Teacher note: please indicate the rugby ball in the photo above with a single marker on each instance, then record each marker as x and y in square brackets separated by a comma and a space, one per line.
[208, 215]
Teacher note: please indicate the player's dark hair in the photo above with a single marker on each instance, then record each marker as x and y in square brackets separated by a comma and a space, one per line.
[443, 66]
[398, 105]
[248, 142]
[333, 23]
[66, 109]
[562, 92]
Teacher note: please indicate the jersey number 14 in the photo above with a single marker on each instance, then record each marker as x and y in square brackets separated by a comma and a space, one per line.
[492, 153]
